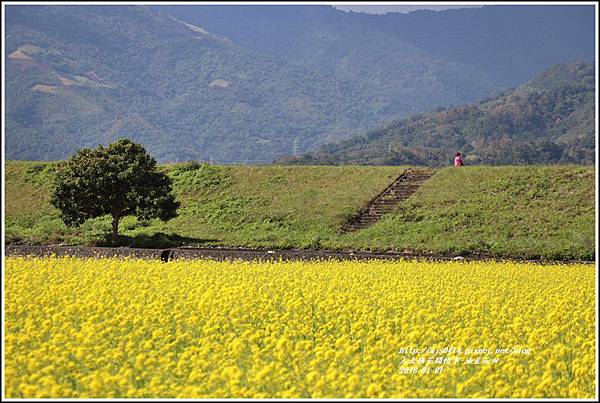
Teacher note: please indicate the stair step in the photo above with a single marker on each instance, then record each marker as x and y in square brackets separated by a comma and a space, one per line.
[387, 202]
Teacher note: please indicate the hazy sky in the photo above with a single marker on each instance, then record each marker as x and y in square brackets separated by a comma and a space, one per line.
[382, 9]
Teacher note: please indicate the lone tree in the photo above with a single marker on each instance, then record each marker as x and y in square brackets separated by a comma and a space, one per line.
[119, 180]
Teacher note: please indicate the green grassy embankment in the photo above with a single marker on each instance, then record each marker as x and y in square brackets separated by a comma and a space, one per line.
[523, 212]
[509, 211]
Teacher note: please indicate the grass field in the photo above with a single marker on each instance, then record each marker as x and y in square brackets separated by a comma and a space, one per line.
[132, 328]
[498, 211]
[525, 212]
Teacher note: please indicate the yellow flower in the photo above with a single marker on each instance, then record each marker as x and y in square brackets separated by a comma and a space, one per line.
[374, 390]
[206, 329]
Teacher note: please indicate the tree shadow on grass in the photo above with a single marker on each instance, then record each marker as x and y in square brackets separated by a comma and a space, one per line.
[157, 240]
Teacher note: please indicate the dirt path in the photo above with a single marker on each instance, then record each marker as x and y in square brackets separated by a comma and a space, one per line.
[235, 253]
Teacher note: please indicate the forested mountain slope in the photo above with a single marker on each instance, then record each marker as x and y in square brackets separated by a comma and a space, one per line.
[549, 119]
[78, 76]
[435, 57]
[396, 77]
[242, 84]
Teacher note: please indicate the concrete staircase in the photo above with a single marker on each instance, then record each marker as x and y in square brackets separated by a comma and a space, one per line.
[401, 189]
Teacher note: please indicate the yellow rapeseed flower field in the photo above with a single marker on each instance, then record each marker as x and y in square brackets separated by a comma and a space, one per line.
[134, 328]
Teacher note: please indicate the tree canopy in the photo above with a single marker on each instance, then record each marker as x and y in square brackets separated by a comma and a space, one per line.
[120, 180]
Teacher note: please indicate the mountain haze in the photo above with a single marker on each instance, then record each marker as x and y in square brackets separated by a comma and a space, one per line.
[497, 46]
[395, 77]
[243, 83]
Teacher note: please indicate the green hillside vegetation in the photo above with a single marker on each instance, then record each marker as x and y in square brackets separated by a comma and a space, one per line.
[500, 211]
[550, 119]
[270, 206]
[524, 212]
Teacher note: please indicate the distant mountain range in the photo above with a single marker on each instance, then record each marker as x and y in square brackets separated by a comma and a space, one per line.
[243, 83]
[550, 119]
[499, 46]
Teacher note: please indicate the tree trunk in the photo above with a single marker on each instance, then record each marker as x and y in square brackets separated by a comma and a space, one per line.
[115, 226]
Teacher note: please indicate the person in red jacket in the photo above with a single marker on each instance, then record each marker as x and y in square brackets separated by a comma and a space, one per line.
[458, 162]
